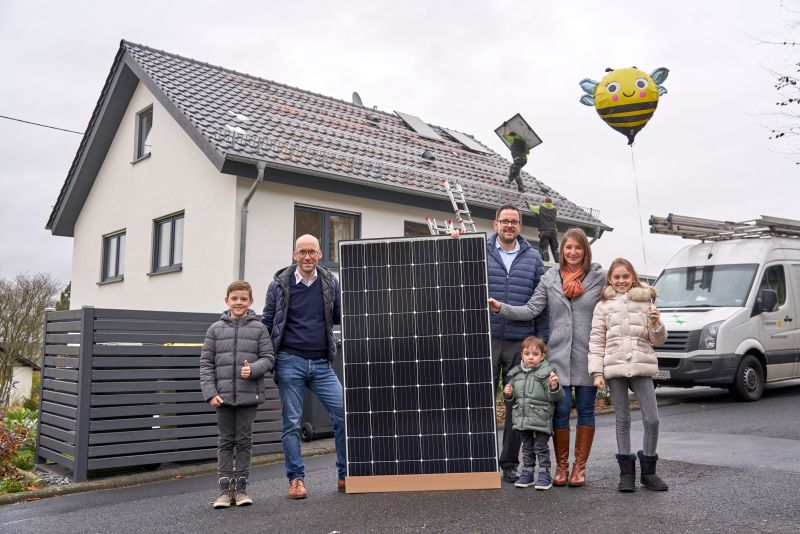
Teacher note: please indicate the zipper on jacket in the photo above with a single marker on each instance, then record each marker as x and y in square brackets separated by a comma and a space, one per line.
[235, 350]
[525, 393]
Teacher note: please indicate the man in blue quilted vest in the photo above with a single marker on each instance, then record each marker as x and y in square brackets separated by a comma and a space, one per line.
[515, 268]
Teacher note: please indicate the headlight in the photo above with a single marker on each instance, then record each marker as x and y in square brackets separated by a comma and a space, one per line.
[708, 335]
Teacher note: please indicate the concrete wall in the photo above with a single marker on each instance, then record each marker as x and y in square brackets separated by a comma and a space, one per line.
[176, 177]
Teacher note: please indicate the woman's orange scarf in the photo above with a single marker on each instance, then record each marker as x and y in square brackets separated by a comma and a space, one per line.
[571, 282]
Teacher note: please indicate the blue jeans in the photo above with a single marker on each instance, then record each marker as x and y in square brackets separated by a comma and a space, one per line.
[293, 375]
[584, 404]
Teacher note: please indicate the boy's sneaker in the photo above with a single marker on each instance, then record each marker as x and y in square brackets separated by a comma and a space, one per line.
[240, 493]
[545, 481]
[224, 499]
[525, 479]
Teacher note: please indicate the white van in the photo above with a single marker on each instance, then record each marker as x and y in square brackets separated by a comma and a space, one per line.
[731, 310]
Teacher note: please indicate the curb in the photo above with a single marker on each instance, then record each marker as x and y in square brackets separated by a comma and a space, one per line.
[136, 479]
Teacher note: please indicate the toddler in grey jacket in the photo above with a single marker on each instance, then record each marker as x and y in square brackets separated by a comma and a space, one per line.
[237, 353]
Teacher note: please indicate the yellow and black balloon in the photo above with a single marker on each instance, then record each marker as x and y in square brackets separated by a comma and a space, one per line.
[625, 98]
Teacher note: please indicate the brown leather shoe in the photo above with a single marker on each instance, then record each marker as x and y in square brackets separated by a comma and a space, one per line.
[561, 447]
[340, 485]
[297, 489]
[584, 436]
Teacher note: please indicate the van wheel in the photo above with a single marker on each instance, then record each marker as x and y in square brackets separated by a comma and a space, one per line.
[307, 432]
[748, 383]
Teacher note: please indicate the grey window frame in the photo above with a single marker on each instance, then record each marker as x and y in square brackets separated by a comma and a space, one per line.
[120, 270]
[141, 137]
[324, 239]
[157, 223]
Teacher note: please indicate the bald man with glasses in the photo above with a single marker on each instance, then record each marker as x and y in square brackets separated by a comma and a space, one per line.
[515, 268]
[302, 307]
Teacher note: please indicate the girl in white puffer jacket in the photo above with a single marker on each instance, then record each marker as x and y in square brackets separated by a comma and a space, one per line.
[626, 326]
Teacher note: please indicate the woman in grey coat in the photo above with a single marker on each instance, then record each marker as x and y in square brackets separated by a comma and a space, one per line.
[569, 294]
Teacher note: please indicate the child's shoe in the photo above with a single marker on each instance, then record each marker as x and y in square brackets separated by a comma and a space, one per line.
[240, 496]
[545, 481]
[224, 499]
[525, 479]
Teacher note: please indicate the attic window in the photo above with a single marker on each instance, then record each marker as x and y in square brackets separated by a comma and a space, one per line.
[144, 132]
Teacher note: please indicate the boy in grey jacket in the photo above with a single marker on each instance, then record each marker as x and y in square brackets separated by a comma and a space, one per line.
[237, 353]
[534, 386]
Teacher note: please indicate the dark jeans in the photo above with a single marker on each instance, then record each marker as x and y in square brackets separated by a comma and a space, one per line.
[584, 403]
[505, 355]
[534, 447]
[548, 238]
[235, 425]
[513, 172]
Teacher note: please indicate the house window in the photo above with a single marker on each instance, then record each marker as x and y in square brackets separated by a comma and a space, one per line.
[415, 229]
[168, 244]
[329, 227]
[113, 257]
[144, 132]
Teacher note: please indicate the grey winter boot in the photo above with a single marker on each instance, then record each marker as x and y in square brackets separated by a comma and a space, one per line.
[649, 478]
[627, 472]
[224, 499]
[240, 493]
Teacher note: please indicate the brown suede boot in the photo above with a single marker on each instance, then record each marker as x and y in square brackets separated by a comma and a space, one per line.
[584, 436]
[561, 446]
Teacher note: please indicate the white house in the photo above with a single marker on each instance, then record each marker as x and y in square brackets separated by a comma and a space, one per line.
[22, 380]
[157, 196]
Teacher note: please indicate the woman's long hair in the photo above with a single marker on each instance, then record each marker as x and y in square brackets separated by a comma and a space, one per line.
[580, 236]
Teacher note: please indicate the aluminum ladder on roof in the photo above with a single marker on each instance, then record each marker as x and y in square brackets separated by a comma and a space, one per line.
[460, 208]
[713, 230]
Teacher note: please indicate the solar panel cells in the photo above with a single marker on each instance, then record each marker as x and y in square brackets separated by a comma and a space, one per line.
[417, 362]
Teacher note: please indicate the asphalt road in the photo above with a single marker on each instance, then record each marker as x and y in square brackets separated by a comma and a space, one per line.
[732, 467]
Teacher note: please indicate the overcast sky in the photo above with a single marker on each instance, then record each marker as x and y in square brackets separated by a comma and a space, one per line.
[465, 65]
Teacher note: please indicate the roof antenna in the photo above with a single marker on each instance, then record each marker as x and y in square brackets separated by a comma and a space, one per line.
[357, 99]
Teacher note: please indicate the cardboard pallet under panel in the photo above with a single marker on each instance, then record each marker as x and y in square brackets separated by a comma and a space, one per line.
[436, 482]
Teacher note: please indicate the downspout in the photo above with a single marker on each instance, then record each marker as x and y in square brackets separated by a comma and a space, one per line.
[260, 165]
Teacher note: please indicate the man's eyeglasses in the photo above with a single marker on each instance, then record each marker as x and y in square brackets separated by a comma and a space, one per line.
[307, 253]
[508, 222]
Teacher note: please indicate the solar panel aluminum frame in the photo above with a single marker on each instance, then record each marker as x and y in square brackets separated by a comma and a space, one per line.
[479, 479]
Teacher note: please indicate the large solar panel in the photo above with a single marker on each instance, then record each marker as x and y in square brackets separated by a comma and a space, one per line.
[419, 401]
[468, 141]
[416, 124]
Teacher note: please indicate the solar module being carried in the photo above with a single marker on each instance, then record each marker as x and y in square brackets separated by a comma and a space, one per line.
[519, 126]
[419, 397]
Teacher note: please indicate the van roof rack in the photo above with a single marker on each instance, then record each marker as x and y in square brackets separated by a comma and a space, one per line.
[712, 230]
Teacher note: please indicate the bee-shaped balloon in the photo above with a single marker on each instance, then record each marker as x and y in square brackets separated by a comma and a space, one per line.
[625, 98]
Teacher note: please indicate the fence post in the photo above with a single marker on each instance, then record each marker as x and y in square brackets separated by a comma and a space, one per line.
[80, 466]
[47, 312]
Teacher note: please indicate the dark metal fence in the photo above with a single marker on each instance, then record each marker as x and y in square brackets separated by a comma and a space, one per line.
[121, 388]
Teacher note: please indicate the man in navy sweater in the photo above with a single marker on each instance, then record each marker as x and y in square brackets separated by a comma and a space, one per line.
[514, 268]
[302, 307]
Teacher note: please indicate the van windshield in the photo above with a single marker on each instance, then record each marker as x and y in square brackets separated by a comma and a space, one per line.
[706, 286]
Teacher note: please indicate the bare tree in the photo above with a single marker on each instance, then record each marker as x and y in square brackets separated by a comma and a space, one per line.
[22, 304]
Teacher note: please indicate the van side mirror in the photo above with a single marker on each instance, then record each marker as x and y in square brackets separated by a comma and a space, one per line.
[767, 301]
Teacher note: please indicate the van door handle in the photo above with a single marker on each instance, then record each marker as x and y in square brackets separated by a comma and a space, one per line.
[787, 319]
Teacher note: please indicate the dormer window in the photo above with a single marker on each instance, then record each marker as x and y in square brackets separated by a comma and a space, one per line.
[144, 131]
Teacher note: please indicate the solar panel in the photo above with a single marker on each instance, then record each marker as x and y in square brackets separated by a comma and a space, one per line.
[419, 398]
[518, 125]
[416, 124]
[468, 141]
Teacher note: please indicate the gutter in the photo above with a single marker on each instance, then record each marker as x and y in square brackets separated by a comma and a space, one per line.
[261, 166]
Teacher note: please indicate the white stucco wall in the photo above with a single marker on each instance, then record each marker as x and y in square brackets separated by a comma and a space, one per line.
[176, 177]
[271, 225]
[22, 382]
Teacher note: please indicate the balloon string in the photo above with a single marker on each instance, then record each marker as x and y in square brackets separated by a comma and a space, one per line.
[639, 211]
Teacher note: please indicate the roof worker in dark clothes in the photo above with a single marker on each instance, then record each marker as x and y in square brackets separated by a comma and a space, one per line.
[519, 155]
[548, 234]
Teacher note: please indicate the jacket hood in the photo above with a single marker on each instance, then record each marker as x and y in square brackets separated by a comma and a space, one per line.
[226, 316]
[639, 294]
